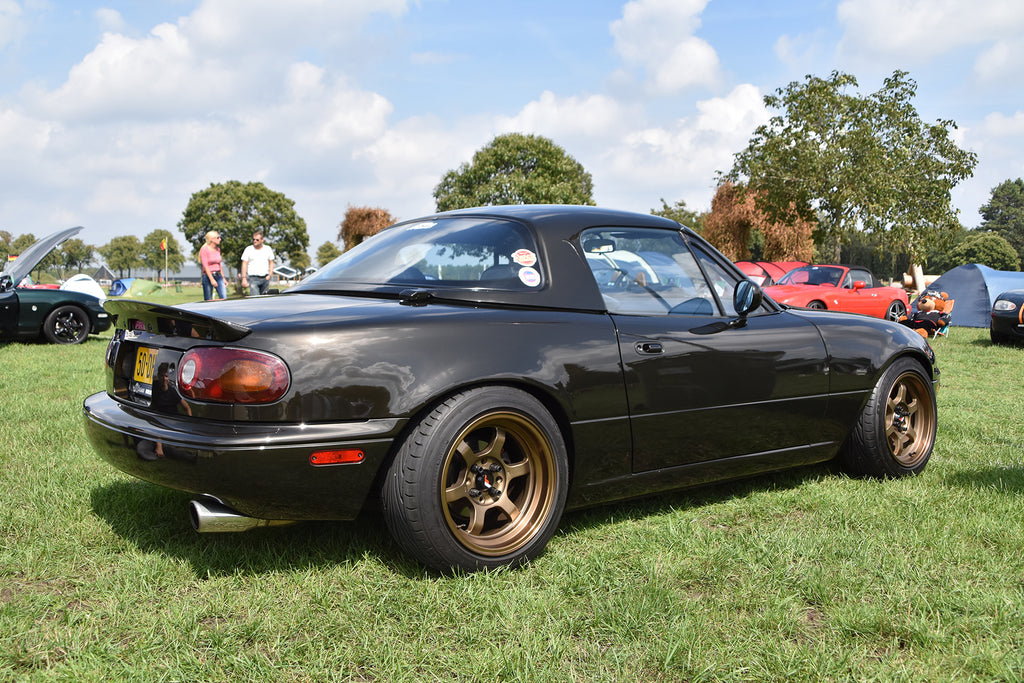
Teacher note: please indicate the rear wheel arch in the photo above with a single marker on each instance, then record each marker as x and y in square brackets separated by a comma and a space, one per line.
[430, 502]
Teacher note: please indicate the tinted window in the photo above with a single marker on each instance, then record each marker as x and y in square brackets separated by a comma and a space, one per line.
[452, 252]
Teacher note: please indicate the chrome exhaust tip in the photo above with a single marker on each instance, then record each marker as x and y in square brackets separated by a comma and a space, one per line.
[211, 517]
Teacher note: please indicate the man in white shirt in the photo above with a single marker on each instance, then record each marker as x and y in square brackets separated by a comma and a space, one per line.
[257, 265]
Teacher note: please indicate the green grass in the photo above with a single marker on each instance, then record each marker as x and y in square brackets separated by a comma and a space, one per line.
[804, 576]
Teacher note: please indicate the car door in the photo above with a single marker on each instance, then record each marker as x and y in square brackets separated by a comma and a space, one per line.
[858, 300]
[697, 392]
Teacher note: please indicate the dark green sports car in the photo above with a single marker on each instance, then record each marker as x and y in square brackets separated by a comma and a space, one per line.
[61, 316]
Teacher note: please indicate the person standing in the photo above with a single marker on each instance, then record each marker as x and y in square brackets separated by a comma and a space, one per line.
[210, 261]
[257, 265]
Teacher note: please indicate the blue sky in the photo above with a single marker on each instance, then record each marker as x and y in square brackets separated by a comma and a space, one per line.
[113, 113]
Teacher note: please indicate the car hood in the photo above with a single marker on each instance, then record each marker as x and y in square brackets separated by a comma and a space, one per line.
[30, 258]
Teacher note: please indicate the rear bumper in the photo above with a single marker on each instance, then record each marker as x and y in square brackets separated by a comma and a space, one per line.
[261, 470]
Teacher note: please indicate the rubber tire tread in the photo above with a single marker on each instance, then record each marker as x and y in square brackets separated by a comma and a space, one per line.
[419, 527]
[49, 322]
[866, 450]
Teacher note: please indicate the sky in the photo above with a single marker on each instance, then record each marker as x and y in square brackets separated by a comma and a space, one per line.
[112, 114]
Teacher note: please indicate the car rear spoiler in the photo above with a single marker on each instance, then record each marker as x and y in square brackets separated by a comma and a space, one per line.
[142, 316]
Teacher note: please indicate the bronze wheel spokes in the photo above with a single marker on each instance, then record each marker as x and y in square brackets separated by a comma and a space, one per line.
[499, 483]
[909, 420]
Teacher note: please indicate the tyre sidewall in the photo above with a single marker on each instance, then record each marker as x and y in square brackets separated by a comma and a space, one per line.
[412, 493]
[50, 324]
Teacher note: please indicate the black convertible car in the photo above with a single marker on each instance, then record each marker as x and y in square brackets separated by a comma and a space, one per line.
[60, 316]
[477, 372]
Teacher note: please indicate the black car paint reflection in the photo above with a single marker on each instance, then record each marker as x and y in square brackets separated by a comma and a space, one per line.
[645, 401]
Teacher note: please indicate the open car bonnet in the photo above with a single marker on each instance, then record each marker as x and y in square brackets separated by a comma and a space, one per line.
[31, 257]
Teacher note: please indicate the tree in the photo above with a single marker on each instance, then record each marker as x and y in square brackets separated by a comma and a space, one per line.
[75, 254]
[327, 252]
[5, 247]
[1004, 213]
[122, 254]
[299, 260]
[155, 258]
[986, 248]
[856, 163]
[515, 169]
[361, 222]
[236, 211]
[680, 214]
[736, 222]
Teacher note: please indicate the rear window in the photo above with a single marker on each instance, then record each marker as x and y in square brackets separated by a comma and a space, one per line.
[460, 252]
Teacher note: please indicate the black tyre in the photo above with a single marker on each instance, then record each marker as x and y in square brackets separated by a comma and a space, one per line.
[999, 337]
[895, 432]
[66, 325]
[896, 310]
[817, 306]
[479, 482]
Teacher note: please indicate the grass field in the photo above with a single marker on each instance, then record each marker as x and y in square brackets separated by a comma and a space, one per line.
[803, 576]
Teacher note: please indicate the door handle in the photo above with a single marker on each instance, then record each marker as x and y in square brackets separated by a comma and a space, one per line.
[649, 348]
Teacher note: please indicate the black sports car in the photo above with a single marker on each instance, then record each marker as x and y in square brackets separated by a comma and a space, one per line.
[61, 316]
[1007, 323]
[475, 373]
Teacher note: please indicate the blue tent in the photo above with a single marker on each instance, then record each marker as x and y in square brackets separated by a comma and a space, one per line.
[119, 287]
[975, 288]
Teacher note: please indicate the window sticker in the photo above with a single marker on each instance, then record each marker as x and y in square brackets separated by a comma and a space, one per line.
[524, 257]
[529, 276]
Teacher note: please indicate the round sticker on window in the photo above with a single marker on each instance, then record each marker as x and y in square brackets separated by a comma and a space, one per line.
[524, 257]
[529, 277]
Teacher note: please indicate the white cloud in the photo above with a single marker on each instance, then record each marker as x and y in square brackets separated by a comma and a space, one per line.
[658, 37]
[110, 20]
[10, 21]
[918, 30]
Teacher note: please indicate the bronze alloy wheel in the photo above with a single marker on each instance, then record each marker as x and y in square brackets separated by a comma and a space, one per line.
[909, 420]
[500, 483]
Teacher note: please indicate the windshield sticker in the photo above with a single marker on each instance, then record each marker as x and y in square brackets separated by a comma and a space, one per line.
[423, 225]
[529, 277]
[524, 257]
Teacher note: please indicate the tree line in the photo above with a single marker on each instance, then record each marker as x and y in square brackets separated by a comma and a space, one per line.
[833, 176]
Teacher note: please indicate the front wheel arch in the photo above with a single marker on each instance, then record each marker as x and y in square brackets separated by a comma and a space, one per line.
[895, 432]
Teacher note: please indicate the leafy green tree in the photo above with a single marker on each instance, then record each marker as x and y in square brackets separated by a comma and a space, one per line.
[75, 255]
[856, 163]
[1004, 213]
[680, 214]
[5, 247]
[122, 254]
[152, 255]
[327, 252]
[986, 248]
[299, 260]
[236, 211]
[516, 169]
[23, 242]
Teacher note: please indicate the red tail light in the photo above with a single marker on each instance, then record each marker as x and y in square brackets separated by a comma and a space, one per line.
[229, 375]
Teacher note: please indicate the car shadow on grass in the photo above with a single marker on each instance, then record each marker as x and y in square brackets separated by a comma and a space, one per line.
[155, 519]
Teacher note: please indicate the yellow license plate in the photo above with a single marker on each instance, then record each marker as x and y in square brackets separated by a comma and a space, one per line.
[145, 361]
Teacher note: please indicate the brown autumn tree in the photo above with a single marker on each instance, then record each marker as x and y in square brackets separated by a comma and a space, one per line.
[361, 222]
[735, 217]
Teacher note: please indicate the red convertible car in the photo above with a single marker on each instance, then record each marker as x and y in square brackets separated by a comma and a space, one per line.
[839, 288]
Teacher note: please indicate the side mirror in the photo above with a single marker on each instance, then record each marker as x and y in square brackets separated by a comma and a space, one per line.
[746, 297]
[859, 284]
